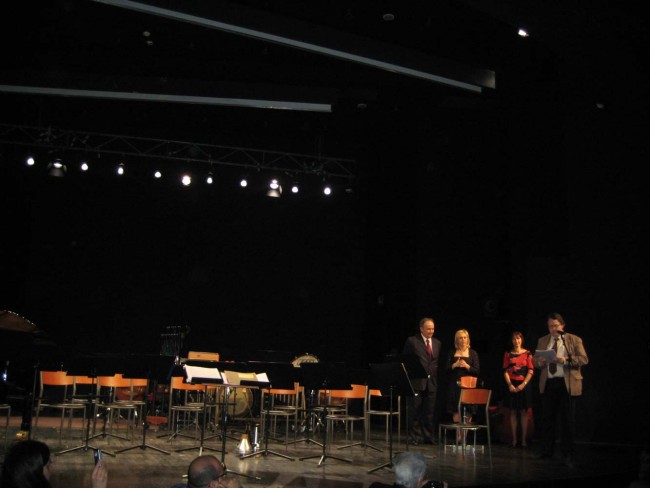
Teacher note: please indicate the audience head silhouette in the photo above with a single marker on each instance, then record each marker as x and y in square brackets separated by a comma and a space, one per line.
[27, 465]
[205, 471]
[410, 469]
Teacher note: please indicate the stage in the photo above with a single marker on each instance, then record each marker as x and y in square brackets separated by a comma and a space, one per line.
[595, 465]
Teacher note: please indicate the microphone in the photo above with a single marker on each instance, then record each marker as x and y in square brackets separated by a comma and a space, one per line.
[561, 332]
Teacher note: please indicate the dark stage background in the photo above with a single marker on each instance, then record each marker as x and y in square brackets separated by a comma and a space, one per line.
[484, 213]
[466, 230]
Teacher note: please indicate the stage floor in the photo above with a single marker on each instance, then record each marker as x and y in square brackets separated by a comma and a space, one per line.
[595, 465]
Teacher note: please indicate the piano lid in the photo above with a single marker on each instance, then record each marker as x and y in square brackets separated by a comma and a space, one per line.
[22, 341]
[12, 321]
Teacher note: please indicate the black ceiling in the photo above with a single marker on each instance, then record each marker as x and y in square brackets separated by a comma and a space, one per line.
[113, 47]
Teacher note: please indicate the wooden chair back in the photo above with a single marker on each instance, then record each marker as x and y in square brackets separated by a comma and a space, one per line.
[56, 378]
[467, 381]
[357, 391]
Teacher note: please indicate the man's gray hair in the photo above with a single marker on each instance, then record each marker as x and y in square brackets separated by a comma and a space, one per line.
[410, 468]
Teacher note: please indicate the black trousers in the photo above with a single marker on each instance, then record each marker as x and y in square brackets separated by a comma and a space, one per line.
[420, 410]
[558, 416]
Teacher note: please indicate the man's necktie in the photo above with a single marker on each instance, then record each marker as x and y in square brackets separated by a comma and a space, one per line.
[552, 367]
[429, 350]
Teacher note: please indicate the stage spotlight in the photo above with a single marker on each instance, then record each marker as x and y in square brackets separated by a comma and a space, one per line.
[84, 166]
[56, 168]
[186, 180]
[243, 182]
[209, 179]
[157, 175]
[120, 169]
[295, 188]
[275, 190]
[327, 189]
[30, 161]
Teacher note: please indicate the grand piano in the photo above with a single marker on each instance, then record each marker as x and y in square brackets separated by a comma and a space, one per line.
[24, 348]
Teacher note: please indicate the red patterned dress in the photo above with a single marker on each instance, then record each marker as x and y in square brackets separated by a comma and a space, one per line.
[518, 366]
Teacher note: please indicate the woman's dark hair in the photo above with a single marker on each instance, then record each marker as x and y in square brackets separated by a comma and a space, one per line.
[516, 333]
[23, 465]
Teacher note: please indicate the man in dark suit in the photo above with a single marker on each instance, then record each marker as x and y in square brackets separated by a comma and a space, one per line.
[421, 407]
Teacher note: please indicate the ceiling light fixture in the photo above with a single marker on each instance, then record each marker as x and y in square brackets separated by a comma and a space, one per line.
[209, 179]
[84, 166]
[56, 168]
[186, 180]
[275, 189]
[30, 161]
[120, 169]
[157, 175]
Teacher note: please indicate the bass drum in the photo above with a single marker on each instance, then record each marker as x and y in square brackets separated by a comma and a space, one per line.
[240, 402]
[305, 358]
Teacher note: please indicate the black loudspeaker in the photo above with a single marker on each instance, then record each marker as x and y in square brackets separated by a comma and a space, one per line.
[491, 307]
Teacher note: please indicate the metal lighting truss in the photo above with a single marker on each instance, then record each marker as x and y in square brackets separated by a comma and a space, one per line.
[193, 152]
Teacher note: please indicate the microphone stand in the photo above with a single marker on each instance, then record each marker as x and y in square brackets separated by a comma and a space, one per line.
[570, 403]
[568, 359]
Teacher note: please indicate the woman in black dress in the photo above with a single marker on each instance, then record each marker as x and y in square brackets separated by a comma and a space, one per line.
[461, 361]
[517, 371]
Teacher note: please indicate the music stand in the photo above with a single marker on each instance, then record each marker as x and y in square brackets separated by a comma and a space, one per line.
[175, 370]
[324, 376]
[154, 368]
[236, 367]
[206, 374]
[414, 370]
[91, 366]
[309, 412]
[392, 379]
[281, 376]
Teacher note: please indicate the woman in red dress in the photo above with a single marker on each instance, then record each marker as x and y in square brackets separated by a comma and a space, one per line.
[517, 371]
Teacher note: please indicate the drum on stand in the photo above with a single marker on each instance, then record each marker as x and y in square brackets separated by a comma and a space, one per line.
[240, 402]
[305, 358]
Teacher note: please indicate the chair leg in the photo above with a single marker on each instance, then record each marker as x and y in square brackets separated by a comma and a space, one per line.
[387, 427]
[61, 425]
[8, 409]
[173, 417]
[399, 429]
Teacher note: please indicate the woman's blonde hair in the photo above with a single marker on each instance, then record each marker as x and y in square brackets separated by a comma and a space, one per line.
[459, 332]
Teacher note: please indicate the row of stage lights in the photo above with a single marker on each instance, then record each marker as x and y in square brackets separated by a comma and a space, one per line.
[56, 168]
